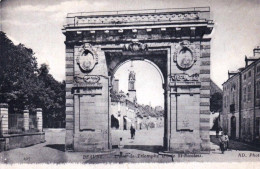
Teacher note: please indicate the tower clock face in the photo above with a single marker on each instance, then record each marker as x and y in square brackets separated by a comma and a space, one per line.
[86, 60]
[185, 59]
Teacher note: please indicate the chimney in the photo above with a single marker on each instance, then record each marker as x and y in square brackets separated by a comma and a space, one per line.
[257, 51]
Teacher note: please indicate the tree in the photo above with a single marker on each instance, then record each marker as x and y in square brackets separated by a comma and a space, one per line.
[216, 102]
[23, 85]
[53, 100]
[18, 80]
[215, 123]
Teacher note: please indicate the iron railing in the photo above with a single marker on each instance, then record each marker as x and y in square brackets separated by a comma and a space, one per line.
[32, 122]
[15, 123]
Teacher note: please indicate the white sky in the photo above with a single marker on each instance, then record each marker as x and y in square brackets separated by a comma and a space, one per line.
[38, 24]
[148, 82]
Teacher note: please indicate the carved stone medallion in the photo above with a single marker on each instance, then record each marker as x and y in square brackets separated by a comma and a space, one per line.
[87, 58]
[185, 54]
[185, 58]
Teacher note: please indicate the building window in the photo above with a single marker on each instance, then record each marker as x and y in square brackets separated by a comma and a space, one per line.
[233, 89]
[249, 93]
[258, 89]
[248, 126]
[227, 100]
[249, 73]
[244, 94]
[233, 97]
[258, 69]
[244, 76]
[224, 101]
[244, 126]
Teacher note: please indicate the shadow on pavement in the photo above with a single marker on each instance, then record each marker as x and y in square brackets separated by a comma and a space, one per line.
[60, 147]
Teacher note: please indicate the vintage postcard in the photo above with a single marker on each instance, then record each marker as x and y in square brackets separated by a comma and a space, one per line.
[125, 82]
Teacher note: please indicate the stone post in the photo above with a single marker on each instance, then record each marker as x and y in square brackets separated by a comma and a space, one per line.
[3, 118]
[39, 119]
[26, 120]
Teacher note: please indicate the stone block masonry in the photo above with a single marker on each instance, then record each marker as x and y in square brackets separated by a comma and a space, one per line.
[39, 119]
[4, 118]
[26, 120]
[96, 47]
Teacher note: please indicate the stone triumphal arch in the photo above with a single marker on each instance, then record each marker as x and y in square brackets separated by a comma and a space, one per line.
[176, 41]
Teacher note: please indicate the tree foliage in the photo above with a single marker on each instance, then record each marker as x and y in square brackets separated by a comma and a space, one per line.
[25, 86]
[216, 102]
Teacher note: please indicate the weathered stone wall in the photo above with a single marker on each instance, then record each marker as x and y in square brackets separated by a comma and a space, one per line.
[247, 103]
[69, 97]
[91, 107]
[205, 94]
[21, 140]
[231, 96]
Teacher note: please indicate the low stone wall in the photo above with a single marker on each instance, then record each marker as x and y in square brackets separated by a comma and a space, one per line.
[21, 140]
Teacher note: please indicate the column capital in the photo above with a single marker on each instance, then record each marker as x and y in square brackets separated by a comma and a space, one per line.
[39, 109]
[4, 105]
[26, 111]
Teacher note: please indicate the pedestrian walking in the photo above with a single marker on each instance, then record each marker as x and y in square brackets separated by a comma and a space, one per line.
[223, 142]
[217, 132]
[132, 131]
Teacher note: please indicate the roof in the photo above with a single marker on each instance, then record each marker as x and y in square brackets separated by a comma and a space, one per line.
[214, 88]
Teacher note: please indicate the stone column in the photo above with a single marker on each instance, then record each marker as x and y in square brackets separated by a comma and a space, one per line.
[4, 118]
[205, 96]
[69, 98]
[26, 120]
[39, 119]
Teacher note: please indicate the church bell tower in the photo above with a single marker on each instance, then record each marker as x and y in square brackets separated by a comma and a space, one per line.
[131, 86]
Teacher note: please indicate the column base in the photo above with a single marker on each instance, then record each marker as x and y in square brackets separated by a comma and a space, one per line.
[186, 145]
[91, 142]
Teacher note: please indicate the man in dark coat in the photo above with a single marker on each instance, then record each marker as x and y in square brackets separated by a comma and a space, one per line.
[132, 131]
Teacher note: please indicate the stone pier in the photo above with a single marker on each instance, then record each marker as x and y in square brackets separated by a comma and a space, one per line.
[39, 119]
[26, 120]
[4, 118]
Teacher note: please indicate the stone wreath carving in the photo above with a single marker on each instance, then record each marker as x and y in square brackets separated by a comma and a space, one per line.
[135, 47]
[87, 58]
[184, 77]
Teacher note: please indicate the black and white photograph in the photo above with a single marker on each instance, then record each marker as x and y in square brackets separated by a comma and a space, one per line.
[129, 81]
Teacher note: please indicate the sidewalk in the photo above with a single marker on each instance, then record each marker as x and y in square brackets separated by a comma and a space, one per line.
[236, 145]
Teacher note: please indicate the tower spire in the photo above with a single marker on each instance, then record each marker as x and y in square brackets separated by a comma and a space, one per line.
[131, 84]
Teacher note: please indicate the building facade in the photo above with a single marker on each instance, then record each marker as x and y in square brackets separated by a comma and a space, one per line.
[241, 101]
[175, 41]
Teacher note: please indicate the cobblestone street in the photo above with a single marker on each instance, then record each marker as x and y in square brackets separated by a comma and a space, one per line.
[144, 148]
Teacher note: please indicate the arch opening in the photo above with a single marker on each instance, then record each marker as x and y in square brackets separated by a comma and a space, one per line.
[135, 105]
